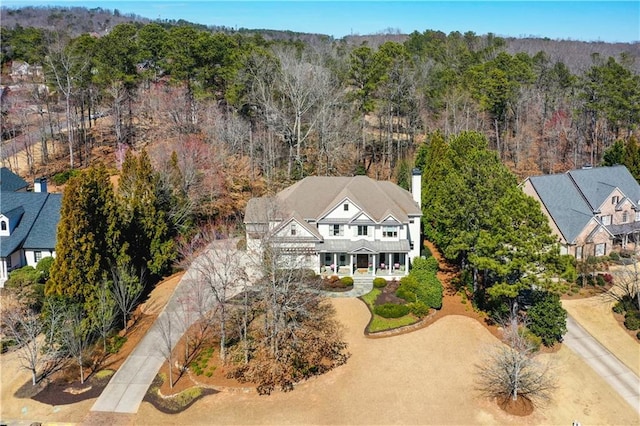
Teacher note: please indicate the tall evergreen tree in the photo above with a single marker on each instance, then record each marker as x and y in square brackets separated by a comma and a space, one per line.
[88, 238]
[146, 229]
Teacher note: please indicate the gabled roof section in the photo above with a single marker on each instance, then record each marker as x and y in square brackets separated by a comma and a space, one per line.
[44, 232]
[33, 204]
[300, 221]
[599, 227]
[597, 184]
[567, 207]
[314, 196]
[14, 215]
[11, 182]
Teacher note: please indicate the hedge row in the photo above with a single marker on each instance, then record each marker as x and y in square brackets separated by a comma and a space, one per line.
[422, 284]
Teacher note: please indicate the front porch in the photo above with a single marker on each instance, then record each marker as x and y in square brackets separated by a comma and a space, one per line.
[387, 265]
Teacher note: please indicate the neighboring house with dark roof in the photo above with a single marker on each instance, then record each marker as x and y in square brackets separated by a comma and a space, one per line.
[10, 181]
[340, 225]
[28, 225]
[592, 210]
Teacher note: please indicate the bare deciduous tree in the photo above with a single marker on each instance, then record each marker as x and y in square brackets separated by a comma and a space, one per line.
[76, 336]
[25, 326]
[511, 371]
[167, 329]
[218, 268]
[126, 289]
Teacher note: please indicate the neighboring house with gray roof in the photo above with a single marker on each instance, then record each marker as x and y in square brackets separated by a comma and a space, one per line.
[592, 210]
[340, 225]
[28, 226]
[10, 181]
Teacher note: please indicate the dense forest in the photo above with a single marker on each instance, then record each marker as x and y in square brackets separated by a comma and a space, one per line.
[247, 111]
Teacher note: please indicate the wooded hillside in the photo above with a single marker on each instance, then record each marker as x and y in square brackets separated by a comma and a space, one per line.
[246, 113]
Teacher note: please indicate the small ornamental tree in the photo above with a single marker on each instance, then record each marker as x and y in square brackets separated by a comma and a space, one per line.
[548, 319]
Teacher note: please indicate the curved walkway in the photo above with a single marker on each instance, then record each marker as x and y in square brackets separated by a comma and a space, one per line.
[619, 376]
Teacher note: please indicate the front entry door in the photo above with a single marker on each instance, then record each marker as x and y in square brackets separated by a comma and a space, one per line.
[362, 261]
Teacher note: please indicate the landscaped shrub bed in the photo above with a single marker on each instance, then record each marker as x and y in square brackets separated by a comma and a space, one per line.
[390, 310]
[335, 283]
[395, 304]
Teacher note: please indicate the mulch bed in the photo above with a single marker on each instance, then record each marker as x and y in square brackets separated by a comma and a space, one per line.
[169, 405]
[388, 294]
[62, 392]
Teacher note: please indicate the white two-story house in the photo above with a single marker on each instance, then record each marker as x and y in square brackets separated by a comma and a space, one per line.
[340, 225]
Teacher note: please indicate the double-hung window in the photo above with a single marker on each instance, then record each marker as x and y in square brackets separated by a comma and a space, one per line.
[37, 256]
[390, 232]
[363, 230]
[336, 230]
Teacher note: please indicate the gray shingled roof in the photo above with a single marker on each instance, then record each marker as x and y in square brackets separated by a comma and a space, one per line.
[41, 214]
[43, 234]
[597, 184]
[314, 196]
[564, 203]
[10, 181]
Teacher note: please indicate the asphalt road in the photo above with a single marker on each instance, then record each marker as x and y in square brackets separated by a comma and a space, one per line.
[603, 362]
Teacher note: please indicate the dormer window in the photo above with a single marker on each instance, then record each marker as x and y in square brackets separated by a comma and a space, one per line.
[294, 229]
[3, 225]
[345, 206]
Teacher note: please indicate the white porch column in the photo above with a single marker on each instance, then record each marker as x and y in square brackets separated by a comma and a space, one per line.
[335, 263]
[373, 271]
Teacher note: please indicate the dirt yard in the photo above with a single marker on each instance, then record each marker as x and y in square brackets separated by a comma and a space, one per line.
[423, 377]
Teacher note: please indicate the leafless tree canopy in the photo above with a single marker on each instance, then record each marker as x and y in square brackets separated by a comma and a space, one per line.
[511, 370]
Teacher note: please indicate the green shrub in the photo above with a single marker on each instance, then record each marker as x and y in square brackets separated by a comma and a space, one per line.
[418, 309]
[43, 267]
[346, 281]
[548, 317]
[63, 177]
[618, 308]
[428, 264]
[114, 343]
[379, 282]
[6, 344]
[391, 310]
[536, 341]
[600, 280]
[614, 256]
[632, 320]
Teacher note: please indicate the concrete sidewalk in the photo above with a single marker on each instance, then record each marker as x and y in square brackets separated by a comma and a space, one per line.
[619, 376]
[129, 384]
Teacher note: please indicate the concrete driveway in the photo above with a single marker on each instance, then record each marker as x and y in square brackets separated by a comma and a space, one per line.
[619, 376]
[129, 384]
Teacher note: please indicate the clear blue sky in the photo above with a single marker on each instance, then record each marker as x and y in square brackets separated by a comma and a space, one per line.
[608, 21]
